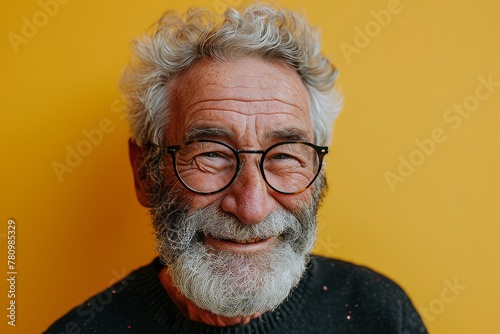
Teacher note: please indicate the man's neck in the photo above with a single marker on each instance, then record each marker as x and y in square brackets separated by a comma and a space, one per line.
[193, 312]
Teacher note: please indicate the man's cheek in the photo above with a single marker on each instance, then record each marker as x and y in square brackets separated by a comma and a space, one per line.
[197, 202]
[296, 203]
[172, 183]
[184, 196]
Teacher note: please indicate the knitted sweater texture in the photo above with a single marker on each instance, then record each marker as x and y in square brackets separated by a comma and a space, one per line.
[332, 297]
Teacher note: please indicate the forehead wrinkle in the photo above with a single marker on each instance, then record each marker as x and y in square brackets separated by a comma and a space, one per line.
[246, 114]
[261, 87]
[237, 101]
[255, 91]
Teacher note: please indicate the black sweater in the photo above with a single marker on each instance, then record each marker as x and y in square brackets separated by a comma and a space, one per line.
[332, 297]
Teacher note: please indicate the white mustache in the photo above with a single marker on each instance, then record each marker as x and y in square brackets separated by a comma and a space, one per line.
[227, 227]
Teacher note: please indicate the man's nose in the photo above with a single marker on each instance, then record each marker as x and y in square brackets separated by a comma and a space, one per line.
[249, 198]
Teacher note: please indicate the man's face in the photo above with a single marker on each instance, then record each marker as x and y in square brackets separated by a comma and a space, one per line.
[240, 251]
[250, 105]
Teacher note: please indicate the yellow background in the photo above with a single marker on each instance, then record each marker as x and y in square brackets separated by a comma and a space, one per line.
[440, 225]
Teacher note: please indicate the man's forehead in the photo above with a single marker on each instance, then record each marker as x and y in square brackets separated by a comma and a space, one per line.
[216, 96]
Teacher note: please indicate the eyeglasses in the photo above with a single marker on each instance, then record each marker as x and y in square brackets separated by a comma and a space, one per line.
[208, 166]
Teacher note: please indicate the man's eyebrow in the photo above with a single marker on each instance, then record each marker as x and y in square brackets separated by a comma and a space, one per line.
[207, 133]
[292, 133]
[288, 134]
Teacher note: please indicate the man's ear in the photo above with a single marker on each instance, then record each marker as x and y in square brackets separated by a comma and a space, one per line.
[136, 155]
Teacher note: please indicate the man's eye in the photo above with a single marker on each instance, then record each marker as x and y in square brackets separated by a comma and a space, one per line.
[211, 154]
[282, 156]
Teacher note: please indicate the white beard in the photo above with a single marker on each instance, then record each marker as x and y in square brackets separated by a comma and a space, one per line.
[234, 284]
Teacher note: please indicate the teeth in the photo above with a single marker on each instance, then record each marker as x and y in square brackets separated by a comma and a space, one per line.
[241, 241]
[247, 241]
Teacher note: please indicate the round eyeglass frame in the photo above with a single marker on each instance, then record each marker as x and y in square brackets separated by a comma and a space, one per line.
[173, 150]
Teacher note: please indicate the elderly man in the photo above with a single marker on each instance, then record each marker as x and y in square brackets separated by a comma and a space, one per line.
[230, 120]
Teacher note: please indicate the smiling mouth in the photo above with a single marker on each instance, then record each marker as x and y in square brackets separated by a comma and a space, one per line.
[237, 241]
[245, 241]
[238, 245]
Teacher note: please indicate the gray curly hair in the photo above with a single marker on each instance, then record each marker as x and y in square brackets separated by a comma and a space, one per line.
[175, 43]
